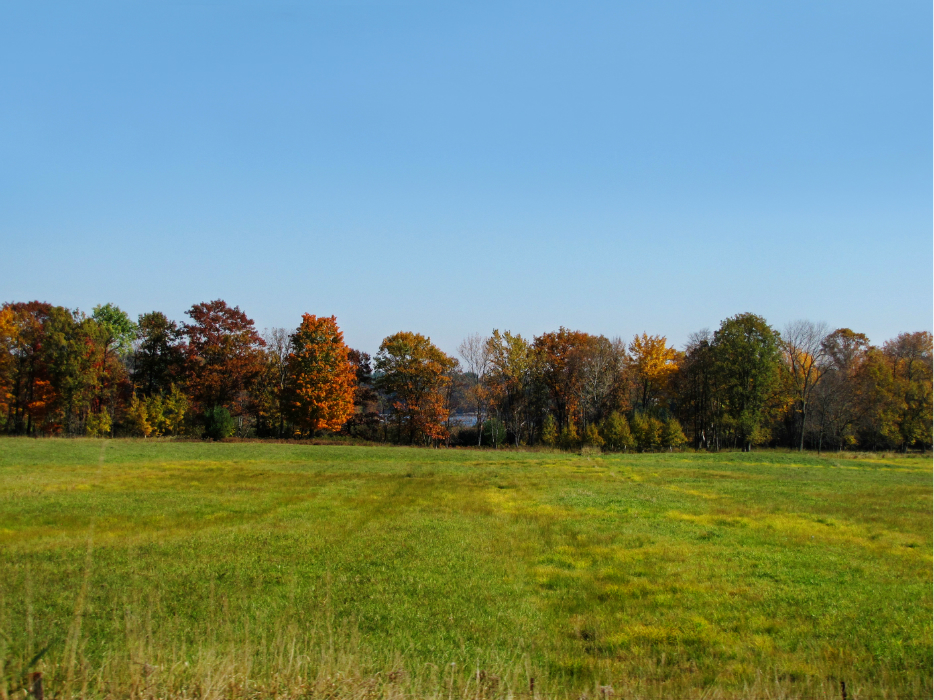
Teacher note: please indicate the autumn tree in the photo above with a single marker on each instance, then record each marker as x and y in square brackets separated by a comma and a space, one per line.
[27, 383]
[509, 380]
[746, 357]
[365, 421]
[269, 390]
[910, 356]
[601, 378]
[115, 333]
[321, 378]
[74, 352]
[159, 357]
[652, 366]
[558, 361]
[224, 355]
[7, 364]
[53, 372]
[836, 397]
[802, 344]
[415, 375]
[475, 352]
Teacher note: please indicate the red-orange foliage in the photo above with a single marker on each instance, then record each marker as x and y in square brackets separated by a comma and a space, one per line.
[26, 379]
[322, 379]
[558, 353]
[223, 353]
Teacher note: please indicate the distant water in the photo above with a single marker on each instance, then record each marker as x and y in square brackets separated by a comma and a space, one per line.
[468, 419]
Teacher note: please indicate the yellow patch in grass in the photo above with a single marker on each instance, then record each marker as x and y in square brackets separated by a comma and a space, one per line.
[694, 492]
[807, 528]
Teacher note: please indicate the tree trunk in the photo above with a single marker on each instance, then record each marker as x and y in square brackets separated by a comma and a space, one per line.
[804, 418]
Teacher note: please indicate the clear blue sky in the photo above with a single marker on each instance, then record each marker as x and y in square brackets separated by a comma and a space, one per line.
[456, 167]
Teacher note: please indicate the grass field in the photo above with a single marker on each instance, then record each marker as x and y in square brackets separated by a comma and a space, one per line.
[181, 569]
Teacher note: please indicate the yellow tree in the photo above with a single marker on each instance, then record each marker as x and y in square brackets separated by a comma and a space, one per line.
[653, 364]
[321, 376]
[512, 366]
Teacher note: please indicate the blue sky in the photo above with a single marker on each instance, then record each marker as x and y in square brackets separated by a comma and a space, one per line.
[456, 167]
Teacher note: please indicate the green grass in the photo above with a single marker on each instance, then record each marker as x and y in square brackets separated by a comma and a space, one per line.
[177, 569]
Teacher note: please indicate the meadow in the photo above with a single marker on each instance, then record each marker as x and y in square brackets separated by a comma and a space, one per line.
[145, 569]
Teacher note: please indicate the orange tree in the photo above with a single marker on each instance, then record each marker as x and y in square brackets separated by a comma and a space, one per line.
[27, 381]
[321, 378]
[559, 354]
[415, 374]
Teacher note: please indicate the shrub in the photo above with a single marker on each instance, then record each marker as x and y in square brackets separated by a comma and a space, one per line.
[592, 436]
[616, 434]
[672, 435]
[569, 439]
[218, 423]
[137, 418]
[550, 431]
[494, 432]
[98, 424]
[647, 431]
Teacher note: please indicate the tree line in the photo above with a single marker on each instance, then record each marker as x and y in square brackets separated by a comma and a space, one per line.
[64, 372]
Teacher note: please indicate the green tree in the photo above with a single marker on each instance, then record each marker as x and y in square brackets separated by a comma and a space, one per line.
[119, 331]
[218, 423]
[78, 369]
[158, 361]
[115, 335]
[646, 431]
[494, 432]
[616, 434]
[699, 398]
[550, 431]
[672, 436]
[747, 359]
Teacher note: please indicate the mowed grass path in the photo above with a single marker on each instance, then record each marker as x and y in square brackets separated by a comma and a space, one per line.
[217, 570]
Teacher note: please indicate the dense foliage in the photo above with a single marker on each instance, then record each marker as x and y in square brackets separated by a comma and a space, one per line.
[745, 384]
